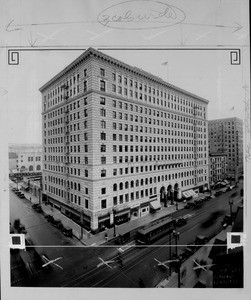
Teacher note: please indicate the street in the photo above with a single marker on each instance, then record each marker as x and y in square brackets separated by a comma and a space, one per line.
[87, 266]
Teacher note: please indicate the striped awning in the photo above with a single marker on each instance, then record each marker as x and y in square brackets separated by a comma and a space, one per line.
[189, 193]
[155, 205]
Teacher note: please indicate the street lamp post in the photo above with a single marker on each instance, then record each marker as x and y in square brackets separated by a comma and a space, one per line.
[176, 235]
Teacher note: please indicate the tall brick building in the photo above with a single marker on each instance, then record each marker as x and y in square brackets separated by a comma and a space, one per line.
[226, 137]
[119, 141]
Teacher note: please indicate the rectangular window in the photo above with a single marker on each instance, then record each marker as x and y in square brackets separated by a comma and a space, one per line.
[103, 204]
[103, 191]
[85, 85]
[102, 72]
[102, 85]
[103, 173]
[103, 148]
[102, 136]
[102, 100]
[102, 112]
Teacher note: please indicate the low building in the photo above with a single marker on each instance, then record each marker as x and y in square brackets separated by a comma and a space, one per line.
[25, 158]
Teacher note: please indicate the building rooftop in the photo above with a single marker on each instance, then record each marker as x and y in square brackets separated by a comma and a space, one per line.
[95, 53]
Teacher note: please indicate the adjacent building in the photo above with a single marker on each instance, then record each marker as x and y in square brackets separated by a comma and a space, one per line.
[217, 167]
[118, 141]
[226, 137]
[25, 158]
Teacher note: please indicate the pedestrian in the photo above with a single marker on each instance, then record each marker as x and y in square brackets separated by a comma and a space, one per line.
[106, 236]
[30, 199]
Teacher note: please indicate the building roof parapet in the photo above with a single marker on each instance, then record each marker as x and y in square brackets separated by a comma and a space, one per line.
[95, 53]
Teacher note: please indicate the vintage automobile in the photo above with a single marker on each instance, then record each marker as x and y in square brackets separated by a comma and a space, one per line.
[67, 231]
[227, 220]
[181, 221]
[49, 218]
[57, 223]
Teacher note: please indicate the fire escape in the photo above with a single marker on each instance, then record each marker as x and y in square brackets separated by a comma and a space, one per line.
[195, 147]
[66, 142]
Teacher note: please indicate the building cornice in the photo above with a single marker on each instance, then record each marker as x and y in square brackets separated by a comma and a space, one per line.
[90, 52]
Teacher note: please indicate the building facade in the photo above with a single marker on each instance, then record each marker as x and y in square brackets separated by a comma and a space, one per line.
[217, 167]
[25, 158]
[226, 136]
[118, 140]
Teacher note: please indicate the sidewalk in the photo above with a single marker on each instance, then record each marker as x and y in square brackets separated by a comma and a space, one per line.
[99, 238]
[89, 239]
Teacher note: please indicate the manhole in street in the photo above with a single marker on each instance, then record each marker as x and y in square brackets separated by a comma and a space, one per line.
[71, 273]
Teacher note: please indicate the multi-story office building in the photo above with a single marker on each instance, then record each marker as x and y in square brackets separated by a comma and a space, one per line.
[217, 167]
[118, 140]
[25, 158]
[226, 136]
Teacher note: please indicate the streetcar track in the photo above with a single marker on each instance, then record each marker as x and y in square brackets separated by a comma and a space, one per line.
[138, 260]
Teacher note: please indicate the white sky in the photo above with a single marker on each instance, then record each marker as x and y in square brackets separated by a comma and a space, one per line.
[207, 73]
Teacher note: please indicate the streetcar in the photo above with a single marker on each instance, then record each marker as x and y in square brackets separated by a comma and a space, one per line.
[155, 230]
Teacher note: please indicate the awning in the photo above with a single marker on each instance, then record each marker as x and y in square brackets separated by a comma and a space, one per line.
[185, 194]
[25, 185]
[189, 193]
[155, 205]
[122, 212]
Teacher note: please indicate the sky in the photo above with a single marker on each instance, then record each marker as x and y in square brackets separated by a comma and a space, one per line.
[35, 25]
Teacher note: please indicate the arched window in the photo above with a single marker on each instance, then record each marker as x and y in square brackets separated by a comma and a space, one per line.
[132, 183]
[38, 167]
[121, 186]
[115, 187]
[137, 182]
[146, 181]
[126, 185]
[30, 168]
[142, 181]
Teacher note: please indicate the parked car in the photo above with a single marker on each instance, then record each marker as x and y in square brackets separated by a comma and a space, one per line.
[227, 220]
[201, 240]
[21, 195]
[34, 206]
[198, 203]
[49, 218]
[21, 229]
[37, 207]
[67, 231]
[57, 223]
[189, 205]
